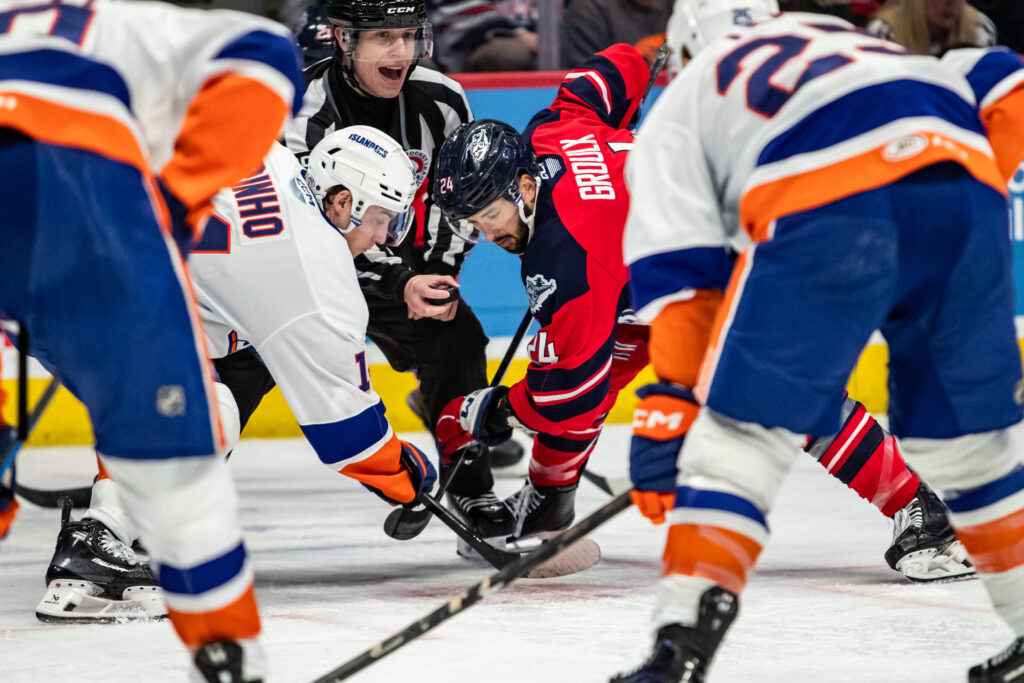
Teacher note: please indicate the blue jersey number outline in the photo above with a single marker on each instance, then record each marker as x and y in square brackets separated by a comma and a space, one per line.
[766, 98]
[70, 21]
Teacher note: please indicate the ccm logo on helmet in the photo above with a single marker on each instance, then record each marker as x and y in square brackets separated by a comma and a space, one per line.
[356, 137]
[399, 10]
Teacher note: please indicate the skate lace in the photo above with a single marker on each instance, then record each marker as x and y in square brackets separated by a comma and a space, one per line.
[527, 500]
[111, 545]
[912, 515]
[480, 501]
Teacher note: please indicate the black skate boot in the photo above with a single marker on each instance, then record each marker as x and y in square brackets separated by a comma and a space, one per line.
[227, 662]
[506, 455]
[1005, 667]
[94, 577]
[924, 546]
[682, 654]
[542, 510]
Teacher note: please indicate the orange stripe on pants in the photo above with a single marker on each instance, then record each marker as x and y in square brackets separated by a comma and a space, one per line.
[995, 546]
[240, 619]
[710, 552]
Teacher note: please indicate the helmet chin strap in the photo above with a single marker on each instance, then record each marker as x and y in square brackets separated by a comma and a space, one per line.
[528, 220]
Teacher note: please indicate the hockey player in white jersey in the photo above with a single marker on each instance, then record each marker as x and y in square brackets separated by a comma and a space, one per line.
[271, 273]
[857, 183]
[119, 122]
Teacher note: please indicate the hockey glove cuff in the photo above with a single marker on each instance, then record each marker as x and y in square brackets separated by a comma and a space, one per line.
[399, 475]
[468, 419]
[660, 422]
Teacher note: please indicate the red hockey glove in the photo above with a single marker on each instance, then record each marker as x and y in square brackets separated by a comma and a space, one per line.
[660, 423]
[471, 419]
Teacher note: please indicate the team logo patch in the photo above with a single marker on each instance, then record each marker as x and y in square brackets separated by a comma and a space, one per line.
[420, 164]
[538, 289]
[478, 145]
[170, 400]
[905, 147]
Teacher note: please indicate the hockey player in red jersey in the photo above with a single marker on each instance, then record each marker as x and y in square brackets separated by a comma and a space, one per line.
[556, 196]
[572, 203]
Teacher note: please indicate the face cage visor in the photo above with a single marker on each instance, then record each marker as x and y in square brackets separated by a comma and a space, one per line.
[383, 43]
[398, 226]
[465, 230]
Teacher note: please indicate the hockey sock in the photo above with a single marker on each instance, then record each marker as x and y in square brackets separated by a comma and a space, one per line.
[866, 458]
[981, 481]
[559, 460]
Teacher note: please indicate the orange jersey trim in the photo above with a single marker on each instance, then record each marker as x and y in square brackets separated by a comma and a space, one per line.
[995, 546]
[721, 555]
[1004, 122]
[59, 124]
[240, 619]
[217, 145]
[680, 335]
[761, 205]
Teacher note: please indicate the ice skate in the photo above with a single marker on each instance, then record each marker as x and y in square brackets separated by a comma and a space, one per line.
[541, 510]
[682, 654]
[924, 546]
[1005, 667]
[94, 577]
[505, 456]
[486, 515]
[227, 661]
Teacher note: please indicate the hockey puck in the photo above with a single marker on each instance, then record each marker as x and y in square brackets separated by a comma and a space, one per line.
[453, 295]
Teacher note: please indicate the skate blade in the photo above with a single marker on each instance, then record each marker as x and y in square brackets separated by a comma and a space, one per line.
[937, 564]
[580, 556]
[80, 602]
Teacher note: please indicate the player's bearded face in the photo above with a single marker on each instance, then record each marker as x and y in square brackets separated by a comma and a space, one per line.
[500, 223]
[382, 59]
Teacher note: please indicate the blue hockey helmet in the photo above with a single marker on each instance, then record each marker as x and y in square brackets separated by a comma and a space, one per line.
[479, 163]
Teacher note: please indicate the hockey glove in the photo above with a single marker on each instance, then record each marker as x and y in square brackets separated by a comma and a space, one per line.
[660, 423]
[472, 419]
[415, 477]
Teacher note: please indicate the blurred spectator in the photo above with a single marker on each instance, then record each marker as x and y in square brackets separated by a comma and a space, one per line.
[313, 33]
[592, 25]
[484, 35]
[930, 27]
[1008, 16]
[856, 12]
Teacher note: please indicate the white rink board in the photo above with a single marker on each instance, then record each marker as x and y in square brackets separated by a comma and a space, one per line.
[823, 607]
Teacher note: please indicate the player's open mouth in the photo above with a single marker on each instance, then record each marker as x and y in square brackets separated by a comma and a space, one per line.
[505, 242]
[391, 73]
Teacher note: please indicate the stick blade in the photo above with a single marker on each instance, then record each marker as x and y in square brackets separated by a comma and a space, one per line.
[578, 557]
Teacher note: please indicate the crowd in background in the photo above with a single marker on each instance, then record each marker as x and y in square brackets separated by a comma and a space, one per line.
[502, 35]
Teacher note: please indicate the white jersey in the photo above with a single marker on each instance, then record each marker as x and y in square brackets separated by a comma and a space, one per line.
[996, 75]
[271, 272]
[126, 74]
[790, 114]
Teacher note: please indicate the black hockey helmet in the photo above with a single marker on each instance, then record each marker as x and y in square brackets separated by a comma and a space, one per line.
[314, 34]
[357, 16]
[480, 162]
[377, 13]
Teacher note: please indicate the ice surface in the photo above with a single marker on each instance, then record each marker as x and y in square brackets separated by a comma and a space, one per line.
[823, 606]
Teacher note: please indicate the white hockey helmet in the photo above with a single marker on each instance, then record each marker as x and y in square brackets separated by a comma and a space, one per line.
[370, 165]
[697, 23]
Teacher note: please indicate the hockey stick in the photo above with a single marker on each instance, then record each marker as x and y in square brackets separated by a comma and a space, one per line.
[494, 582]
[408, 522]
[612, 486]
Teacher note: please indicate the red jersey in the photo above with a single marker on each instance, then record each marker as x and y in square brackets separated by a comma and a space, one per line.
[573, 266]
